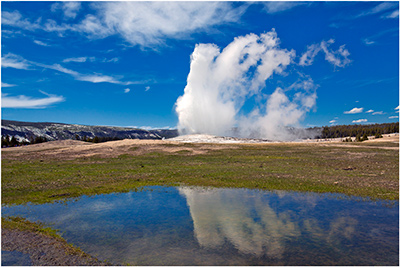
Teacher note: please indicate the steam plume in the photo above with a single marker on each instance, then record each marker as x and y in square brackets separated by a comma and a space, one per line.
[220, 83]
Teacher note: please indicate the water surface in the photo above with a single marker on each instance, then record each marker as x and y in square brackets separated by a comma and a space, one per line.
[198, 226]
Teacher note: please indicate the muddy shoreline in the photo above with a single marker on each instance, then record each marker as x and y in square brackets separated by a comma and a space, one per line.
[44, 250]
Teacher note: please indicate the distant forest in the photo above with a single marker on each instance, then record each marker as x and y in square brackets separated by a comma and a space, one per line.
[359, 130]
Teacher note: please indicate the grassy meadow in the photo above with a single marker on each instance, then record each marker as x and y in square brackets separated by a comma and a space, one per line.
[355, 170]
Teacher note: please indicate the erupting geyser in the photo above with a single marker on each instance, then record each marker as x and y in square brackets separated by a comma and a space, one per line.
[220, 83]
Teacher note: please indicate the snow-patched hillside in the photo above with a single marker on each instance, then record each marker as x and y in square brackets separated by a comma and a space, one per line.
[60, 131]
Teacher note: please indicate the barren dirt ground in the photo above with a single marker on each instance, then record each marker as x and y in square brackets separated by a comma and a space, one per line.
[70, 149]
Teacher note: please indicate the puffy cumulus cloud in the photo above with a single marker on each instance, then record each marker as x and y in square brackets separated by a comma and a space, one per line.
[23, 101]
[127, 90]
[220, 82]
[369, 111]
[360, 121]
[338, 58]
[354, 111]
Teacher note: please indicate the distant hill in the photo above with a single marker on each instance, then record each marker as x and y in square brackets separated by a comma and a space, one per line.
[25, 131]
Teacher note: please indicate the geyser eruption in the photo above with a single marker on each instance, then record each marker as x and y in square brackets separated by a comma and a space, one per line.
[220, 83]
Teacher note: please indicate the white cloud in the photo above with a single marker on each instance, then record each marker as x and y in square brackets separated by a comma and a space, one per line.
[354, 111]
[308, 57]
[366, 41]
[99, 78]
[127, 90]
[70, 9]
[40, 43]
[374, 39]
[397, 108]
[369, 111]
[14, 61]
[75, 59]
[22, 101]
[147, 88]
[385, 6]
[91, 25]
[7, 85]
[332, 121]
[393, 117]
[378, 113]
[338, 58]
[15, 19]
[91, 59]
[150, 23]
[115, 59]
[59, 68]
[93, 78]
[392, 15]
[147, 24]
[272, 7]
[360, 121]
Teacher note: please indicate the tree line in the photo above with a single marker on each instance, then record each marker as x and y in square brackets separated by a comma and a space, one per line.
[96, 139]
[10, 141]
[359, 131]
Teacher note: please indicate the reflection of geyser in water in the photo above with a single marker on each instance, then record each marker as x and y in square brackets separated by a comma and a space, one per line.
[251, 225]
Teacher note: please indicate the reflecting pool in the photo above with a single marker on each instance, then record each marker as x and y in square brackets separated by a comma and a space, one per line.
[202, 226]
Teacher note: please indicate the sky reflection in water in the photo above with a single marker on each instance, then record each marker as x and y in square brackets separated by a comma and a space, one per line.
[197, 226]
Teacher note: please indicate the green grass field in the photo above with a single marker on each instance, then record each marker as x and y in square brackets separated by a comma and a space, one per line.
[353, 170]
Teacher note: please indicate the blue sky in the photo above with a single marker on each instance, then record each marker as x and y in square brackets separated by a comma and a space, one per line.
[126, 63]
